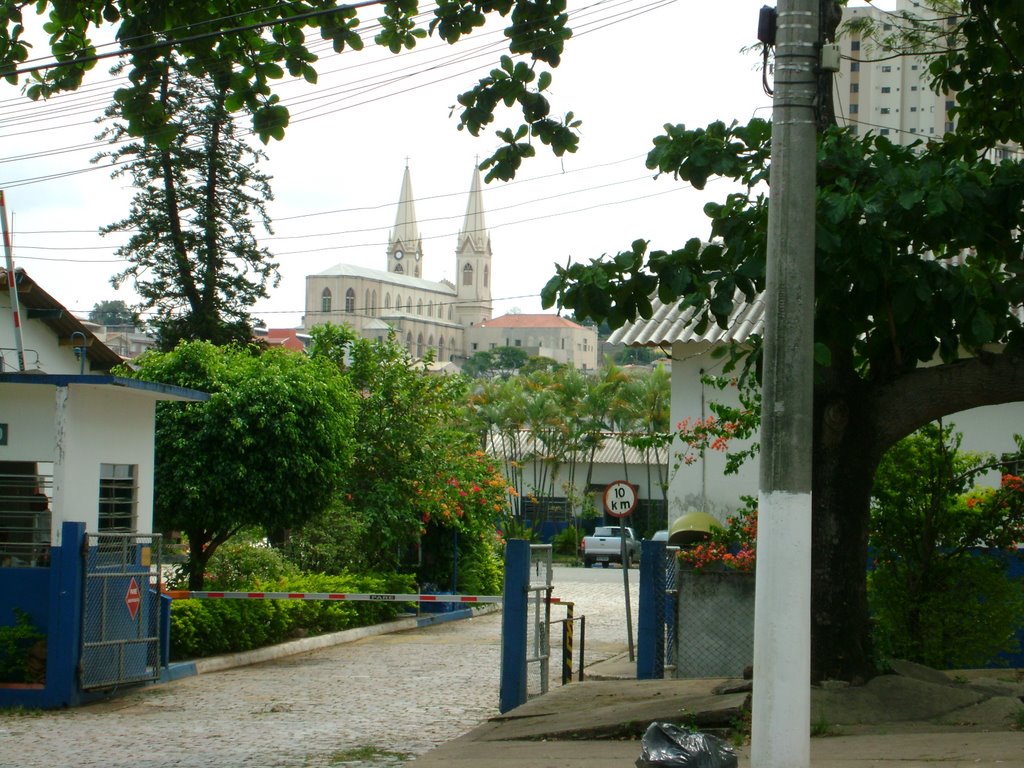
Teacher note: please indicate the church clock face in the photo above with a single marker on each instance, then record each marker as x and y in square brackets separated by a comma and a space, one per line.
[398, 255]
[418, 256]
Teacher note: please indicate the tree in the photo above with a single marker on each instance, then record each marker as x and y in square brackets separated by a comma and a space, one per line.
[114, 312]
[270, 448]
[938, 594]
[192, 246]
[242, 50]
[919, 260]
[408, 423]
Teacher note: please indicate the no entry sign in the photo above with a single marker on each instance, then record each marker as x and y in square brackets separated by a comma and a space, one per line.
[133, 598]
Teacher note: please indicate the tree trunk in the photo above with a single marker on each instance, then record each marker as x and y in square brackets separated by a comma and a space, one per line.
[844, 466]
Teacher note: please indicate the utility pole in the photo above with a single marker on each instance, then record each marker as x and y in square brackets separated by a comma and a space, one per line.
[782, 606]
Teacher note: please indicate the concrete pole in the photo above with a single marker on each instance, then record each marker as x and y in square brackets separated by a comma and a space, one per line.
[782, 606]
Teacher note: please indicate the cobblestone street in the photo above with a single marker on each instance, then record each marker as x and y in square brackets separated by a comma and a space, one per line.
[401, 693]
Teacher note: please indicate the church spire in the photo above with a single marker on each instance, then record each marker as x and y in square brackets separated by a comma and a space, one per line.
[473, 225]
[405, 251]
[473, 257]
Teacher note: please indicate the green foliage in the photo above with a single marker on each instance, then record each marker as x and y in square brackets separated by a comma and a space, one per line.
[567, 541]
[968, 615]
[238, 563]
[244, 56]
[16, 642]
[114, 313]
[192, 248]
[935, 599]
[269, 450]
[331, 542]
[211, 627]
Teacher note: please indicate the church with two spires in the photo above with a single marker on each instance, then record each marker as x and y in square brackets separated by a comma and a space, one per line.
[453, 320]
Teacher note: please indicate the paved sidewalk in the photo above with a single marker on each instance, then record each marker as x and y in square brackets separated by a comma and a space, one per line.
[911, 721]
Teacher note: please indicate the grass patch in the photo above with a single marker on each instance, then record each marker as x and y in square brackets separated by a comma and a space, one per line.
[820, 726]
[365, 754]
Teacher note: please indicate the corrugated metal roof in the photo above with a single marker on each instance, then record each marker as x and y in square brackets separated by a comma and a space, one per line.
[503, 446]
[669, 324]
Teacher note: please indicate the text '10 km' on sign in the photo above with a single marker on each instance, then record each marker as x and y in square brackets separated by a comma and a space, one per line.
[620, 498]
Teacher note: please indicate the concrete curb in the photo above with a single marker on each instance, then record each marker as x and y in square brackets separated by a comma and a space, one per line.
[183, 669]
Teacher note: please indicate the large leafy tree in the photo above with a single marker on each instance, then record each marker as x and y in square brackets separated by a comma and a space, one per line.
[243, 48]
[114, 312]
[270, 449]
[193, 252]
[918, 305]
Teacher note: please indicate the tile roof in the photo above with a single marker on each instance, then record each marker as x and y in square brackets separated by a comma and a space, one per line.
[529, 321]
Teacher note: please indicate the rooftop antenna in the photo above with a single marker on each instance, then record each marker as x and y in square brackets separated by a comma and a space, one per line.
[12, 286]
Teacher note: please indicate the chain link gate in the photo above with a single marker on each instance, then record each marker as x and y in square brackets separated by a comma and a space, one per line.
[121, 610]
[538, 654]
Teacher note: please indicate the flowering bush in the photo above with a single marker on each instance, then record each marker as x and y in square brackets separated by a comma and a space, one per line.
[731, 548]
[725, 424]
[458, 507]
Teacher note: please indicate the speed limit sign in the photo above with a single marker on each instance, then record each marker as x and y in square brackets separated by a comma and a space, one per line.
[620, 498]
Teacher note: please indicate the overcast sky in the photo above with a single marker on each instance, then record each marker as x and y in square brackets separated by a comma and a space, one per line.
[632, 67]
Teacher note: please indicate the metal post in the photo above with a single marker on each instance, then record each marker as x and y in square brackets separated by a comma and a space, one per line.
[650, 657]
[512, 691]
[782, 621]
[625, 587]
[12, 285]
[583, 643]
[567, 631]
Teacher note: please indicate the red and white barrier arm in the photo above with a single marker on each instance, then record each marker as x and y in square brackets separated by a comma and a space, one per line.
[338, 596]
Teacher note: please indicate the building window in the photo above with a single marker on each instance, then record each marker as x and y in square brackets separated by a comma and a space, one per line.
[467, 275]
[419, 307]
[387, 301]
[119, 491]
[399, 270]
[884, 132]
[949, 127]
[854, 87]
[325, 300]
[913, 109]
[475, 345]
[885, 110]
[855, 66]
[419, 345]
[430, 311]
[886, 89]
[913, 67]
[25, 490]
[408, 305]
[854, 109]
[887, 67]
[913, 87]
[519, 342]
[913, 130]
[350, 301]
[486, 275]
[855, 45]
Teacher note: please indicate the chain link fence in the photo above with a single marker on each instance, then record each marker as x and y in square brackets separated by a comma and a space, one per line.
[715, 627]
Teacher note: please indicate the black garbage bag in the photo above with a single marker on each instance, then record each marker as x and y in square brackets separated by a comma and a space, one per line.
[665, 745]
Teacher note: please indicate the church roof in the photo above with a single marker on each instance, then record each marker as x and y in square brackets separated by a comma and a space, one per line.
[390, 278]
[406, 229]
[529, 321]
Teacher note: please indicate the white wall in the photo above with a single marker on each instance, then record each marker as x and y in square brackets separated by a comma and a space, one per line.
[989, 430]
[703, 485]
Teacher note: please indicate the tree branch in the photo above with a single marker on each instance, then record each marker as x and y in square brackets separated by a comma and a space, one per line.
[926, 394]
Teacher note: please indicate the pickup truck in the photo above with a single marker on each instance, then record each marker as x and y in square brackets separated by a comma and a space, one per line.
[605, 546]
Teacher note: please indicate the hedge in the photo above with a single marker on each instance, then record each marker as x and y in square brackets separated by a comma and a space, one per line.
[202, 627]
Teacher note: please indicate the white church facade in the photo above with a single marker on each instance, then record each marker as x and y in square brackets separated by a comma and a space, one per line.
[424, 314]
